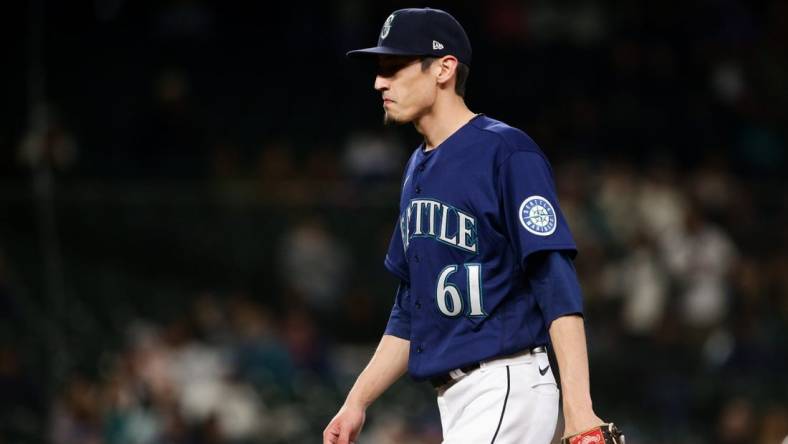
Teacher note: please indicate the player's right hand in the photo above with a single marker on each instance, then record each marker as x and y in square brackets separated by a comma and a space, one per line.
[345, 426]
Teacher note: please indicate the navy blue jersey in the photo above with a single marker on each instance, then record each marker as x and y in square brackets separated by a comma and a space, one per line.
[473, 213]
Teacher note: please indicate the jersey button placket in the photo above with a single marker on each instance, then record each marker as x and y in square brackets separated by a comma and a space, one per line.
[417, 177]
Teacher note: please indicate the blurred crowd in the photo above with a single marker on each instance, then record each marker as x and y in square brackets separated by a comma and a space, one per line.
[685, 301]
[667, 131]
[228, 371]
[211, 376]
[680, 308]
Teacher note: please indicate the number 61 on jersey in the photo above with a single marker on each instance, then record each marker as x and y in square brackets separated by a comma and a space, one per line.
[450, 301]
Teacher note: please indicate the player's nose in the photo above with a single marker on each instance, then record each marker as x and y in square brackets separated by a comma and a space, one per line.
[381, 83]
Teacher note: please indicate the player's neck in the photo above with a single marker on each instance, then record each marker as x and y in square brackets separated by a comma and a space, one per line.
[443, 120]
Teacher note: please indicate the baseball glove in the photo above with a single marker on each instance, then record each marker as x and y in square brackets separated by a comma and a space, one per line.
[604, 434]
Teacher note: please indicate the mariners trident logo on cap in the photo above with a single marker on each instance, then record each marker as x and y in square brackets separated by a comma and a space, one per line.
[386, 27]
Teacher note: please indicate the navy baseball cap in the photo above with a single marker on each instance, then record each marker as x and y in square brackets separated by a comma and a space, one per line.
[420, 32]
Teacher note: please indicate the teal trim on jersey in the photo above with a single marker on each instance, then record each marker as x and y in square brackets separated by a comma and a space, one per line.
[481, 291]
[475, 235]
[405, 221]
[443, 293]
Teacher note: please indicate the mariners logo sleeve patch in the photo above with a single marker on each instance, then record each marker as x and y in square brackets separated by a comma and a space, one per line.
[538, 216]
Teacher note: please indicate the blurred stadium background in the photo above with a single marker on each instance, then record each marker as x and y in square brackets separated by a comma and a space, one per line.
[196, 199]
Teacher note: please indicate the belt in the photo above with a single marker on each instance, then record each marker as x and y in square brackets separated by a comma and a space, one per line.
[451, 377]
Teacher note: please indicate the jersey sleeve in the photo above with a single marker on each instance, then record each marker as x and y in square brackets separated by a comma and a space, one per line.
[531, 216]
[399, 319]
[395, 260]
[553, 281]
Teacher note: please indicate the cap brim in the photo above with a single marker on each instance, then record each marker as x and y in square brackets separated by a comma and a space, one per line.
[377, 50]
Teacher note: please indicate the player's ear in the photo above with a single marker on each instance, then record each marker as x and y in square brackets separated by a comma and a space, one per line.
[448, 68]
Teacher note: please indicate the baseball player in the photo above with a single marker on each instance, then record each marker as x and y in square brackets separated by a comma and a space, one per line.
[484, 257]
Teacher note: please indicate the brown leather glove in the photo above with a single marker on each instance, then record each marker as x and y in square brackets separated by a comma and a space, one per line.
[604, 434]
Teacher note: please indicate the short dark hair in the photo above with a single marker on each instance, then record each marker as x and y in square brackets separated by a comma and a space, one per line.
[463, 71]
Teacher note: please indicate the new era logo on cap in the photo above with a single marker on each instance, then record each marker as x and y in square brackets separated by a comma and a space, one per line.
[422, 32]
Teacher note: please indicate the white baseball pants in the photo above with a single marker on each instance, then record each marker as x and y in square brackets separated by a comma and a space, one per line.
[505, 401]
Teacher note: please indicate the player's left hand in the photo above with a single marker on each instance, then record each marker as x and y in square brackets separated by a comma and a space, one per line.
[579, 423]
[602, 434]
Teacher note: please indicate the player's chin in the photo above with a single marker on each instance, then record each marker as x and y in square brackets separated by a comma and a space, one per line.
[391, 119]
